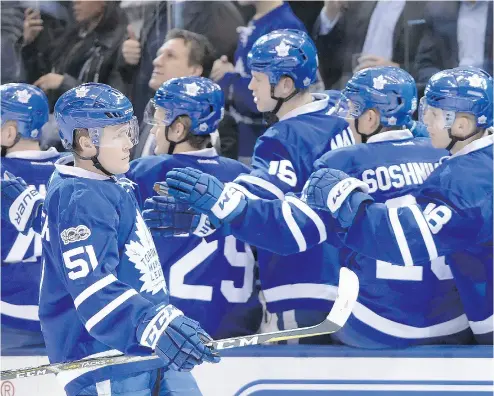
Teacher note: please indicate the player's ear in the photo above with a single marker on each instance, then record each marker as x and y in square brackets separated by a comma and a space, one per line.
[9, 133]
[178, 130]
[374, 118]
[464, 124]
[197, 70]
[288, 85]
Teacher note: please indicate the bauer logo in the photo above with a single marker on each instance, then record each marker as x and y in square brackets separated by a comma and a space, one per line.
[75, 234]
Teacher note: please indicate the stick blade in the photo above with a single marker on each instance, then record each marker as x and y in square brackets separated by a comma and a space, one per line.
[348, 288]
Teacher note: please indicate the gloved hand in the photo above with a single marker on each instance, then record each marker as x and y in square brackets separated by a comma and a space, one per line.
[21, 204]
[206, 194]
[166, 217]
[177, 339]
[334, 191]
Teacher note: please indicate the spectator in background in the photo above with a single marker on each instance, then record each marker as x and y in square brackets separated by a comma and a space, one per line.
[269, 16]
[351, 36]
[53, 17]
[217, 20]
[86, 51]
[11, 37]
[458, 33]
[182, 54]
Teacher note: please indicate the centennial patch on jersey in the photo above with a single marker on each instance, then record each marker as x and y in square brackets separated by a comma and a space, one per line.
[75, 234]
[145, 258]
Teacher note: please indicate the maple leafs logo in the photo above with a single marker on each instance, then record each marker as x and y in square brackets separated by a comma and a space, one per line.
[145, 258]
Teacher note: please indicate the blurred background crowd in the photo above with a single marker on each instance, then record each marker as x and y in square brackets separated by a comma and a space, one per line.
[135, 46]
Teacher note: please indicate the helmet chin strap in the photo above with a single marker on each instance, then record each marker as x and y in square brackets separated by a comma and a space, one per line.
[95, 161]
[171, 147]
[456, 139]
[366, 137]
[271, 117]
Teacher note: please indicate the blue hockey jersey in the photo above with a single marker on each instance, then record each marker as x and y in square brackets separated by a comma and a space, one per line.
[101, 275]
[281, 17]
[451, 218]
[282, 162]
[21, 253]
[210, 281]
[397, 306]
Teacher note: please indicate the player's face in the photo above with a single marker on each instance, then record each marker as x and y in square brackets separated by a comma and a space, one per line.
[114, 148]
[172, 60]
[434, 120]
[261, 90]
[158, 131]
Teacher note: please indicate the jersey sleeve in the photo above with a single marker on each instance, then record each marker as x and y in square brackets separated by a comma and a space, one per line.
[274, 168]
[109, 308]
[437, 225]
[281, 226]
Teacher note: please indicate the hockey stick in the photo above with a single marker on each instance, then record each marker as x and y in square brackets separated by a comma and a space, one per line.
[347, 295]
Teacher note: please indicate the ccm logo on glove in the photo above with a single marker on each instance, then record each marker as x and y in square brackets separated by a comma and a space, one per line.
[228, 201]
[158, 325]
[342, 190]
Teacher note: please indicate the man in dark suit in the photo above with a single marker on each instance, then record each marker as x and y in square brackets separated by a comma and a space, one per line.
[457, 33]
[351, 36]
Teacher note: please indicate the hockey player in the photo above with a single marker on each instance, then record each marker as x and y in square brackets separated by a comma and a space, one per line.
[24, 110]
[234, 78]
[283, 65]
[414, 306]
[102, 287]
[396, 307]
[447, 222]
[211, 281]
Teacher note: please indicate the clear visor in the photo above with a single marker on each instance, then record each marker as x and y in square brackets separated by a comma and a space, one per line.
[113, 135]
[157, 115]
[343, 108]
[435, 117]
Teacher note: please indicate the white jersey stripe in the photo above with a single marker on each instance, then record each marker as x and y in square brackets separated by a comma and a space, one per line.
[293, 226]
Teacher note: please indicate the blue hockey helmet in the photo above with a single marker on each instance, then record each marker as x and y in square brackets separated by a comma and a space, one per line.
[93, 106]
[28, 106]
[462, 89]
[285, 52]
[389, 89]
[199, 98]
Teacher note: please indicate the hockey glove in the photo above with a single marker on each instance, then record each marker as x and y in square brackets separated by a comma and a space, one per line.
[21, 204]
[165, 217]
[178, 340]
[334, 191]
[206, 194]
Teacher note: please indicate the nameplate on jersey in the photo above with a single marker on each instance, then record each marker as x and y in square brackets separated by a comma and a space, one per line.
[21, 209]
[228, 201]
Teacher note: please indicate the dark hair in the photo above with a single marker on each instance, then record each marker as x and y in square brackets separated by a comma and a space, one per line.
[78, 133]
[198, 142]
[201, 51]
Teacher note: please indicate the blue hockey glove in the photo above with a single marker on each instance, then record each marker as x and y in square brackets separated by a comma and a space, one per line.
[166, 217]
[177, 339]
[21, 204]
[206, 194]
[334, 191]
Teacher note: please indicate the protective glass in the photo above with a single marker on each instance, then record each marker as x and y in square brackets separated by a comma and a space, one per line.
[129, 129]
[343, 108]
[157, 115]
[435, 117]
